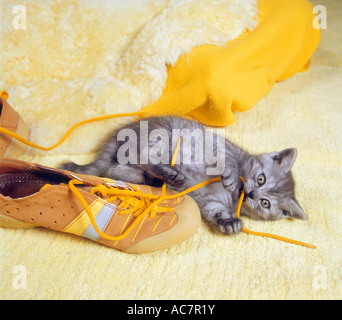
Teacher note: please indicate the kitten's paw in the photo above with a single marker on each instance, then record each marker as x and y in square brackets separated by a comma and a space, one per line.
[176, 180]
[70, 166]
[229, 225]
[231, 182]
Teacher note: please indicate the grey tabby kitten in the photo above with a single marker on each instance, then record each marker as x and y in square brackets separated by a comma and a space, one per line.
[269, 185]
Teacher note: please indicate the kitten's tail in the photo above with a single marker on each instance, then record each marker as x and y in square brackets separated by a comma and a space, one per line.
[94, 168]
[99, 166]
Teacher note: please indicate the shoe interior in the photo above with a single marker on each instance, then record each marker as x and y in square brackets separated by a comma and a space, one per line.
[23, 184]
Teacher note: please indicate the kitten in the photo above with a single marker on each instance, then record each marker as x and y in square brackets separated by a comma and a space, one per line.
[141, 153]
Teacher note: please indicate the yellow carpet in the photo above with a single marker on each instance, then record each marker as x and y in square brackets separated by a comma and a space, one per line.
[53, 88]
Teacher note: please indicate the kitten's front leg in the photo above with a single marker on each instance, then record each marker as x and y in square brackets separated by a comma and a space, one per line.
[219, 208]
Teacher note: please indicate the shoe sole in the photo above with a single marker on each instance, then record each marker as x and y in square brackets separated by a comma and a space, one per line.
[8, 222]
[16, 148]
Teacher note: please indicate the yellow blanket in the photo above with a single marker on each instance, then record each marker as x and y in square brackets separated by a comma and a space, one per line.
[56, 81]
[211, 83]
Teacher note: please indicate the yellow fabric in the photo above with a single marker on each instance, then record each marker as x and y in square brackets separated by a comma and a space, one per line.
[211, 83]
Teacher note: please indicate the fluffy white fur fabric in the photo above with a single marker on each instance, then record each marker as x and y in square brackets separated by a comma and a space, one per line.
[81, 59]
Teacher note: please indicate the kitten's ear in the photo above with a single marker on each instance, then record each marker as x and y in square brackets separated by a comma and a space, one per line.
[294, 210]
[284, 159]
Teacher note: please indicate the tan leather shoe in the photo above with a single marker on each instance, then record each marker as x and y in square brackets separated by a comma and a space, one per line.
[132, 218]
[10, 120]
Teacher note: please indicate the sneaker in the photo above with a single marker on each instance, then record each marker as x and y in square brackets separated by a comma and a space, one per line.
[10, 120]
[127, 217]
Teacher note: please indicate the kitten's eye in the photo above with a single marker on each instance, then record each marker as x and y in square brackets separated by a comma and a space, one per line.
[265, 203]
[261, 179]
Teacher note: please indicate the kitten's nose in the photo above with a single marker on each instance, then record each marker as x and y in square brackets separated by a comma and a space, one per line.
[250, 195]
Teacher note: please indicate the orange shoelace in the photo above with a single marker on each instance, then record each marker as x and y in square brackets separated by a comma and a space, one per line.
[149, 207]
[133, 202]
